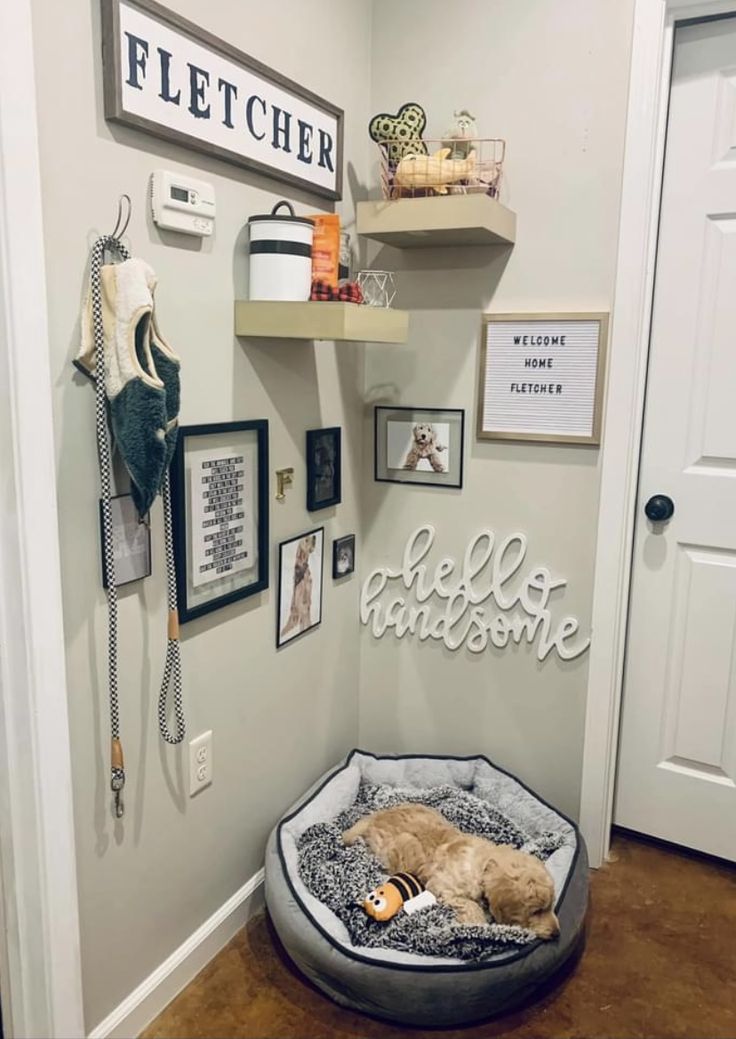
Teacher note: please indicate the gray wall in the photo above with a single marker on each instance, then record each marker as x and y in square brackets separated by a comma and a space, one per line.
[279, 719]
[551, 79]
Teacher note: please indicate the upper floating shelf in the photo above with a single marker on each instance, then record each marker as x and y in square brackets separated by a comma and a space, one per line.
[412, 223]
[344, 321]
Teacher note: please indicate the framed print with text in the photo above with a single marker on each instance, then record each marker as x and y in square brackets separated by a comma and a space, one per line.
[219, 485]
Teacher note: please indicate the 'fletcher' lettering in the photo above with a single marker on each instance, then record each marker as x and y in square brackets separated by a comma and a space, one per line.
[536, 387]
[206, 95]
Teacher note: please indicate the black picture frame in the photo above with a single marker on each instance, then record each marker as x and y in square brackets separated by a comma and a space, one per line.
[383, 473]
[346, 541]
[319, 534]
[115, 110]
[118, 502]
[317, 442]
[191, 604]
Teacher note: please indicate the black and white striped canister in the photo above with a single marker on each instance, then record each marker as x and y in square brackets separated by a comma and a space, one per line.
[280, 255]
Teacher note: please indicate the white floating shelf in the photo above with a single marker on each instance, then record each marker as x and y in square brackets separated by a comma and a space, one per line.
[411, 223]
[345, 321]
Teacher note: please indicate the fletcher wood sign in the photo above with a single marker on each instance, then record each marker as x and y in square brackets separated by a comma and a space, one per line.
[541, 377]
[170, 78]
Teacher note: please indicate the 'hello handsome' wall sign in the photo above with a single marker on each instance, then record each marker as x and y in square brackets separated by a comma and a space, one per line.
[165, 75]
[489, 601]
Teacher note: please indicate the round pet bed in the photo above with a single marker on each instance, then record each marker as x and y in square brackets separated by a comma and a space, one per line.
[405, 986]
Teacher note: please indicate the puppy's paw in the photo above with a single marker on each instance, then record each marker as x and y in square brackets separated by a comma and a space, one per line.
[354, 835]
[468, 912]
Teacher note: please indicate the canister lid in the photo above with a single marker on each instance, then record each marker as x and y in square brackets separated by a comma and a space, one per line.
[274, 215]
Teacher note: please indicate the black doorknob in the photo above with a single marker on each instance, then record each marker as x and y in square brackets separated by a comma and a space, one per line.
[659, 508]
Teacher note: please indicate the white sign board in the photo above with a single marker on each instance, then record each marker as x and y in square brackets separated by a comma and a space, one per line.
[165, 75]
[541, 377]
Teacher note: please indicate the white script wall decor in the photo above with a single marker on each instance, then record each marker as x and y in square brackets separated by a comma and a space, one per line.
[165, 75]
[486, 603]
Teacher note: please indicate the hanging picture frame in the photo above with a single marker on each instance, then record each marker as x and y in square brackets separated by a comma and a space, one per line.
[343, 556]
[542, 377]
[131, 539]
[419, 445]
[301, 578]
[168, 77]
[324, 468]
[219, 489]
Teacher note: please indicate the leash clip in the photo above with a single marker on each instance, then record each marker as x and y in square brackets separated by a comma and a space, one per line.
[117, 782]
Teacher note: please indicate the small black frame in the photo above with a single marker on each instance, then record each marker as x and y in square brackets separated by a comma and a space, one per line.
[316, 467]
[347, 540]
[383, 414]
[187, 609]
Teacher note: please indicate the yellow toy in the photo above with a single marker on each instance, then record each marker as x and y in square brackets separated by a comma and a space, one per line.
[434, 171]
[385, 901]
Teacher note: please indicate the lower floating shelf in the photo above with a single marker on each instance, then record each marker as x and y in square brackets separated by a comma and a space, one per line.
[344, 321]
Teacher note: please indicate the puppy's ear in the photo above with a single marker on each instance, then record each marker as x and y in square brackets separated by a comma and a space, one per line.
[415, 430]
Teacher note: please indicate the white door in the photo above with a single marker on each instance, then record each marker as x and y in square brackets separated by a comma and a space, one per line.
[677, 762]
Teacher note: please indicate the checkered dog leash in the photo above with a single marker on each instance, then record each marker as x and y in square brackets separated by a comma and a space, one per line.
[172, 667]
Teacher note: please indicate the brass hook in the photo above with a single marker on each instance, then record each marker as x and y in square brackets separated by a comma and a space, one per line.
[284, 479]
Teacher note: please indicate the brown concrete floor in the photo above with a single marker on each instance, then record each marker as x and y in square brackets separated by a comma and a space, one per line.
[660, 962]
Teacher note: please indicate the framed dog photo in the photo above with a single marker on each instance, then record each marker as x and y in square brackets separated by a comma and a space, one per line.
[300, 585]
[419, 445]
[219, 490]
[343, 556]
[324, 468]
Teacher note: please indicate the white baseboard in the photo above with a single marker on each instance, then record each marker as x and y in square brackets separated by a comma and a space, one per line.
[155, 993]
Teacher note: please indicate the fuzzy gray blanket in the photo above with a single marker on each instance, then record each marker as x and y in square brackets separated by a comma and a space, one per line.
[341, 877]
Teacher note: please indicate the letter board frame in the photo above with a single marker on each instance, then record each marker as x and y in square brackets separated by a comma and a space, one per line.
[583, 375]
[266, 160]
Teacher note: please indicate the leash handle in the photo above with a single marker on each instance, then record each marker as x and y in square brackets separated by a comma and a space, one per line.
[117, 775]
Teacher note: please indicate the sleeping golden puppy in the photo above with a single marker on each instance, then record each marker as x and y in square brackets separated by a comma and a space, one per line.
[461, 870]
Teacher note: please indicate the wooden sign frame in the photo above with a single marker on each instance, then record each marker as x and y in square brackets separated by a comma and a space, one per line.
[561, 436]
[151, 68]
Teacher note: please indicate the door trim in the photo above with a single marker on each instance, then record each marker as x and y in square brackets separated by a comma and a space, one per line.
[649, 83]
[40, 969]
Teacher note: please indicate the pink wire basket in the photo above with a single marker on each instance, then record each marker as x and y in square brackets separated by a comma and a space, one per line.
[421, 168]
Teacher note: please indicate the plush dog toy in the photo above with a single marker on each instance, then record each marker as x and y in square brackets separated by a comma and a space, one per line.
[400, 133]
[401, 891]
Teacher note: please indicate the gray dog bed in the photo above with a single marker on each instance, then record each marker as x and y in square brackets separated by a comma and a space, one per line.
[487, 970]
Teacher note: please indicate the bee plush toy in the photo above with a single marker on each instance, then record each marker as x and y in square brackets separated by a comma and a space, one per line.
[401, 891]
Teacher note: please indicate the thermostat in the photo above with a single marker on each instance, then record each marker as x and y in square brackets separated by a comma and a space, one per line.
[180, 203]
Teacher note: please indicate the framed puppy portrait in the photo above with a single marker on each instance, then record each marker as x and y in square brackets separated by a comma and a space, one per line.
[324, 468]
[419, 445]
[343, 556]
[300, 585]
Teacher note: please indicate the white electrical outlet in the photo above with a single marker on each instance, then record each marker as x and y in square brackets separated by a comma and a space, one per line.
[200, 762]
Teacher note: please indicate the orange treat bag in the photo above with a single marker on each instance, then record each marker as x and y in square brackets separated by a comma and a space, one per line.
[326, 248]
